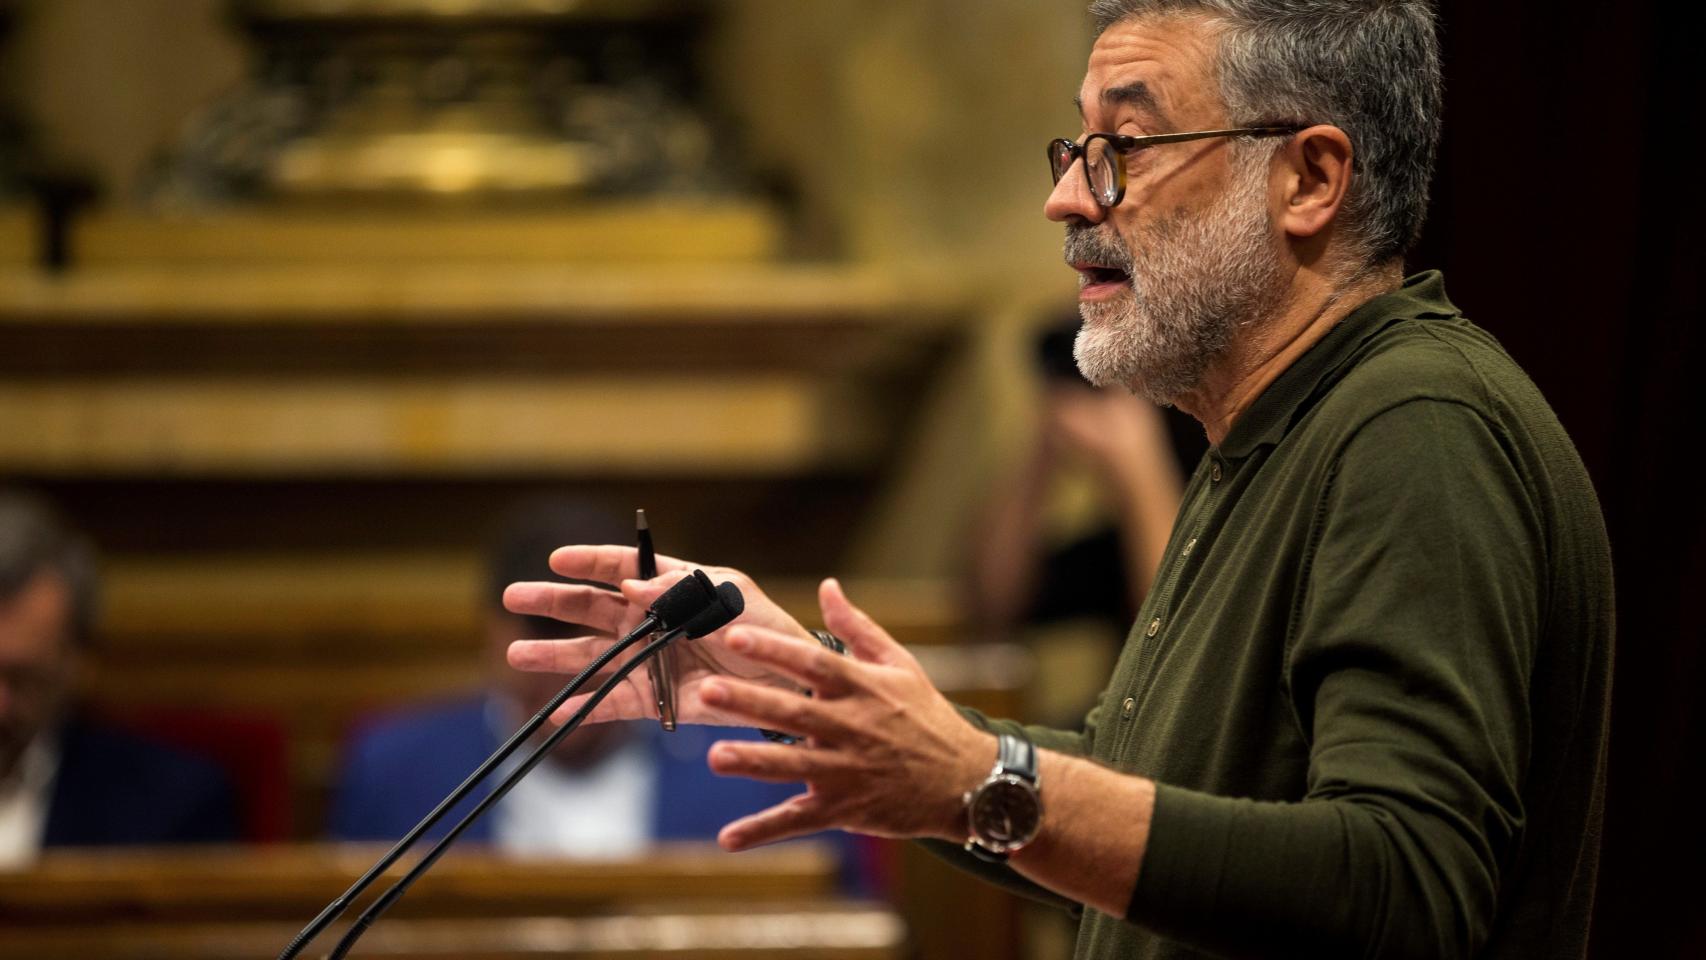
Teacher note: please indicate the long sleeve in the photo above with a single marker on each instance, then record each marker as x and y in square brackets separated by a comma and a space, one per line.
[1407, 665]
[1075, 742]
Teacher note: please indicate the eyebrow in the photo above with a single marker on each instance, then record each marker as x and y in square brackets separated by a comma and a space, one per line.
[1134, 94]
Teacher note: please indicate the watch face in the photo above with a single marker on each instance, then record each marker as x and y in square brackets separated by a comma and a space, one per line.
[1005, 813]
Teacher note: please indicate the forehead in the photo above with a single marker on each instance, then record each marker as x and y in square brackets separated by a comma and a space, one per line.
[1166, 61]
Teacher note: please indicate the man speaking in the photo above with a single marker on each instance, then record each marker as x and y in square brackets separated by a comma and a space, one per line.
[1363, 709]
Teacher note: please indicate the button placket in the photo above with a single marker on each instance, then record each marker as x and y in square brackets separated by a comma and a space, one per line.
[1164, 590]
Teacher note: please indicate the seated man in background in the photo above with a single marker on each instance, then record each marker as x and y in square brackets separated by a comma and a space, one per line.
[64, 779]
[609, 790]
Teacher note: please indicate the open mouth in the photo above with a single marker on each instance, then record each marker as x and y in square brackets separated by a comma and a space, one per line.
[1101, 279]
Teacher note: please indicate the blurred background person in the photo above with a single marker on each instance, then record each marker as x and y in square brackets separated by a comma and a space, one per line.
[1070, 587]
[609, 790]
[65, 778]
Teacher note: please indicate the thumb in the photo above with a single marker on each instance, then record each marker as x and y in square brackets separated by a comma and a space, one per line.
[642, 593]
[863, 637]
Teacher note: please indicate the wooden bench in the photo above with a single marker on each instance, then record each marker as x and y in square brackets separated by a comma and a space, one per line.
[689, 900]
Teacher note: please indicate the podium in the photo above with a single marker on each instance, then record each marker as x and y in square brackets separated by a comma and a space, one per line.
[685, 901]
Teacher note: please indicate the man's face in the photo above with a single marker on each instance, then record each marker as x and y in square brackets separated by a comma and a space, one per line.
[35, 662]
[1168, 276]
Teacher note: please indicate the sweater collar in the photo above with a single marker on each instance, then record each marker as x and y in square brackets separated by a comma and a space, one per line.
[1271, 416]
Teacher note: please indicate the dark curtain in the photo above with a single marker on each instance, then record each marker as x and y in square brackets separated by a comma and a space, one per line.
[1568, 215]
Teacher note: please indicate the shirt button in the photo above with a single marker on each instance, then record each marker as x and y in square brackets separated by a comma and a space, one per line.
[1128, 709]
[1214, 474]
[1154, 627]
[1189, 546]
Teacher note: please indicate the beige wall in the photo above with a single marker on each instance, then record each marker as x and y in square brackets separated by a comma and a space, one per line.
[107, 82]
[914, 129]
[917, 129]
[918, 126]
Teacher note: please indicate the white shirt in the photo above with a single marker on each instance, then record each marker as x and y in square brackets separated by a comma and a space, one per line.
[600, 812]
[24, 800]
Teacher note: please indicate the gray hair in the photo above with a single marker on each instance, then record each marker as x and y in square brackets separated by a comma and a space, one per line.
[33, 541]
[1369, 67]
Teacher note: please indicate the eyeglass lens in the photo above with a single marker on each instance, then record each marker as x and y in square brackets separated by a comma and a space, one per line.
[1060, 156]
[1100, 168]
[1100, 162]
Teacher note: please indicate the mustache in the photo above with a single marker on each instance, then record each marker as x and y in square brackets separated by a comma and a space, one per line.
[1088, 243]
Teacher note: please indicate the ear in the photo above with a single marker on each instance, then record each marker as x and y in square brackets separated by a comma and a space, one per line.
[1315, 171]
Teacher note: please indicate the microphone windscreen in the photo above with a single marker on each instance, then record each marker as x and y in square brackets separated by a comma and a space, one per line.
[728, 605]
[684, 601]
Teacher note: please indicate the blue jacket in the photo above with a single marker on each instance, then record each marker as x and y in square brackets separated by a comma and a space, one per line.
[113, 789]
[396, 770]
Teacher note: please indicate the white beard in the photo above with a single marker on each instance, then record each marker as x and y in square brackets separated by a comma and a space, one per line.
[1195, 281]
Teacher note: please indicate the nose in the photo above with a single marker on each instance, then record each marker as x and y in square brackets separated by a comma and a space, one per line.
[1071, 198]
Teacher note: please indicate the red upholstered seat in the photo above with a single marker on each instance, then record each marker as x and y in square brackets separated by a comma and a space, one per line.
[252, 749]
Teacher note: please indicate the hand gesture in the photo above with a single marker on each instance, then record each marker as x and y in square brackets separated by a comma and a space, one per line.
[611, 614]
[884, 752]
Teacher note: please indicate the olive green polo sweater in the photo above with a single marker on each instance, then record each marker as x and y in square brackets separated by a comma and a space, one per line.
[1372, 676]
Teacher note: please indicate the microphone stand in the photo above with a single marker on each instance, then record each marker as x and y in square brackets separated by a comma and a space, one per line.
[337, 907]
[396, 890]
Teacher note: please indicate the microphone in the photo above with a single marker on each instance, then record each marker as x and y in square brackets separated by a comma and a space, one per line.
[727, 604]
[678, 608]
[691, 596]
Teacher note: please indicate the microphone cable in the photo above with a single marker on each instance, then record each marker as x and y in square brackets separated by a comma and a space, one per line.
[337, 907]
[407, 880]
[727, 604]
[679, 605]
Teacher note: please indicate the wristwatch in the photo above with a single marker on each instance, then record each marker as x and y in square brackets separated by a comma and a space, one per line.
[1005, 811]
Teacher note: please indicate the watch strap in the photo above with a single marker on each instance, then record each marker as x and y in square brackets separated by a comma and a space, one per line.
[983, 853]
[1016, 755]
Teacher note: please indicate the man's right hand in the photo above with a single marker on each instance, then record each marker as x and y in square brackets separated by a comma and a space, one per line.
[613, 614]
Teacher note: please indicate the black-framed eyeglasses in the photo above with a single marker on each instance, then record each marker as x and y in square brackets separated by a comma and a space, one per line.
[1103, 152]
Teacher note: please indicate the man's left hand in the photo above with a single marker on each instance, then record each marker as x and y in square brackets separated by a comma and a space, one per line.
[883, 753]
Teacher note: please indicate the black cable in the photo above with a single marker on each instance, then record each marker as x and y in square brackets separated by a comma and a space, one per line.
[396, 891]
[336, 908]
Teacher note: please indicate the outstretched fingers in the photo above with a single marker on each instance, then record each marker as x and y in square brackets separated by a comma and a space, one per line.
[768, 708]
[772, 762]
[863, 636]
[809, 664]
[602, 610]
[626, 702]
[556, 656]
[608, 563]
[642, 594]
[796, 816]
